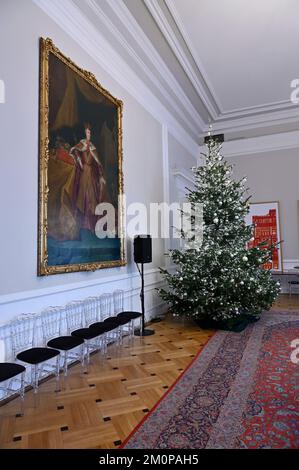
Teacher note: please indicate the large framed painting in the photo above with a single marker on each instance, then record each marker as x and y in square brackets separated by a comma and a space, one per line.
[266, 220]
[80, 168]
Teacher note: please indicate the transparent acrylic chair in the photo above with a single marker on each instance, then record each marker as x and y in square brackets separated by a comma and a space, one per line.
[92, 320]
[129, 315]
[69, 346]
[23, 330]
[12, 375]
[76, 326]
[114, 323]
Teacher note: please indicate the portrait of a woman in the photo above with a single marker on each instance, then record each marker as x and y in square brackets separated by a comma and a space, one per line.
[83, 169]
[89, 184]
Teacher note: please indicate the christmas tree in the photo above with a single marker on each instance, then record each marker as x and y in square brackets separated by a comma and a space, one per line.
[222, 281]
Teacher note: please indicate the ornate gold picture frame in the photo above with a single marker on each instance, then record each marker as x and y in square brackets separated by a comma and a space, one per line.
[80, 167]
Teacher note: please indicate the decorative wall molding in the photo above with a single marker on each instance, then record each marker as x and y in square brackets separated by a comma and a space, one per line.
[69, 17]
[257, 121]
[290, 264]
[102, 17]
[36, 300]
[257, 145]
[183, 174]
[166, 182]
[30, 294]
[196, 76]
[261, 108]
[284, 279]
[154, 307]
[188, 111]
[165, 154]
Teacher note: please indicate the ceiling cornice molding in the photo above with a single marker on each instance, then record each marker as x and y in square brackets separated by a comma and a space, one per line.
[103, 18]
[212, 97]
[264, 120]
[69, 17]
[195, 77]
[262, 108]
[258, 145]
[134, 29]
[247, 117]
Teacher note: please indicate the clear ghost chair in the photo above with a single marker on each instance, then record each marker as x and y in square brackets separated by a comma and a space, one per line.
[76, 325]
[23, 330]
[114, 323]
[92, 317]
[12, 375]
[53, 335]
[118, 307]
[129, 315]
[105, 306]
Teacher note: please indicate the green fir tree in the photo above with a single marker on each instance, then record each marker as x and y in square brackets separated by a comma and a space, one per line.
[222, 281]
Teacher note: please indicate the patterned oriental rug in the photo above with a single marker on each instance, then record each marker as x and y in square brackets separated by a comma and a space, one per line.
[239, 392]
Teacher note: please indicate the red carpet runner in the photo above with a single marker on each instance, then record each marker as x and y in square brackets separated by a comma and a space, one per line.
[240, 392]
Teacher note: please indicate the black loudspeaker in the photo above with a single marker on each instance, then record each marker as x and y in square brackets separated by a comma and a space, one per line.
[218, 137]
[142, 249]
[142, 255]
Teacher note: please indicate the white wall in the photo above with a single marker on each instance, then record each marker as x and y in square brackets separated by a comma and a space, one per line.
[21, 25]
[180, 164]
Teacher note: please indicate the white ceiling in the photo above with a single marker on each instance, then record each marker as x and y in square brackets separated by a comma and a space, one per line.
[247, 51]
[196, 62]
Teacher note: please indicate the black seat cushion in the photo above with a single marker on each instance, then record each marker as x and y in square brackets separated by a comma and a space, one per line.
[123, 319]
[37, 355]
[65, 343]
[100, 327]
[112, 320]
[85, 333]
[130, 315]
[110, 325]
[9, 370]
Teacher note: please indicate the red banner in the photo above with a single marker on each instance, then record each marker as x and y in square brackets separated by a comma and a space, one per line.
[265, 229]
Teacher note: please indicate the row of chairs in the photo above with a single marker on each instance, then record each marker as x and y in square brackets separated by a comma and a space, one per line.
[68, 333]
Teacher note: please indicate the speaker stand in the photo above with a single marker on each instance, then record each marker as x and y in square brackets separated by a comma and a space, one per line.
[142, 331]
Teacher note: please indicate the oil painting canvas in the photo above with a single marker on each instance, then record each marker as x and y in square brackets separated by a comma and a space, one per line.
[80, 167]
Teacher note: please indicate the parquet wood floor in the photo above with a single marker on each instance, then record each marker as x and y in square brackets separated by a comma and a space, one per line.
[101, 408]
